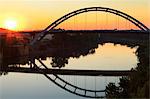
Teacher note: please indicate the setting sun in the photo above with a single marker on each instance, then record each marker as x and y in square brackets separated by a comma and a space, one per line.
[10, 24]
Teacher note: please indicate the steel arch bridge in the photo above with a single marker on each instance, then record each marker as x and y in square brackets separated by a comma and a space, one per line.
[89, 9]
[64, 83]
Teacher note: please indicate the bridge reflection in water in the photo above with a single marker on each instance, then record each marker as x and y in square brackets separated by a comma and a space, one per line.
[63, 46]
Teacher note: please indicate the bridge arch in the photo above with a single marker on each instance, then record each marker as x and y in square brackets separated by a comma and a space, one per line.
[82, 91]
[90, 9]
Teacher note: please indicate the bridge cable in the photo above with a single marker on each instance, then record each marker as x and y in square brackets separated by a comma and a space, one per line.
[117, 22]
[85, 21]
[130, 26]
[96, 20]
[106, 21]
[95, 83]
[85, 82]
[126, 25]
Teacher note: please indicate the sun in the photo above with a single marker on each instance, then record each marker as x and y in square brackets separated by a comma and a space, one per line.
[10, 24]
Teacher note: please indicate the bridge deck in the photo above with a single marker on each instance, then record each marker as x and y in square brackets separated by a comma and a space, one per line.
[71, 71]
[98, 31]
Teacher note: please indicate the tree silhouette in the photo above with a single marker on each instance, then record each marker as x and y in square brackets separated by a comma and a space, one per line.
[59, 62]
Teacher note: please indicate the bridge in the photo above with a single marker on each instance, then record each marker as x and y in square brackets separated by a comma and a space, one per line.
[48, 73]
[70, 71]
[134, 21]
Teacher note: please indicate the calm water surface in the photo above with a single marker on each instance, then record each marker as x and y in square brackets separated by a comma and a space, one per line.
[37, 86]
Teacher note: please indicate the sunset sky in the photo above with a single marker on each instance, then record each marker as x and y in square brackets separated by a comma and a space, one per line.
[38, 14]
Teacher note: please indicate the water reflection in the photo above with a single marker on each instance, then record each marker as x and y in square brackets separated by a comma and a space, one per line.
[78, 51]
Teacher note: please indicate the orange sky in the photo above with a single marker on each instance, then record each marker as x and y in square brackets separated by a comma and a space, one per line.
[38, 14]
